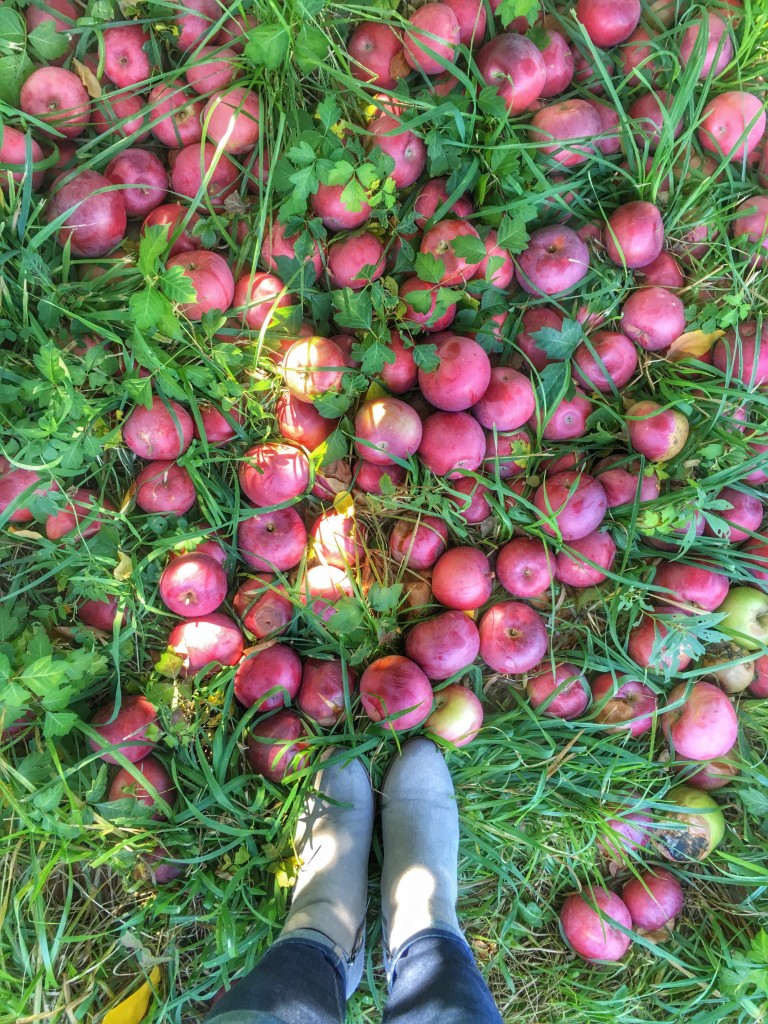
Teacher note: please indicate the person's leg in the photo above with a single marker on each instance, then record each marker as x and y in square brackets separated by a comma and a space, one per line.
[432, 973]
[316, 962]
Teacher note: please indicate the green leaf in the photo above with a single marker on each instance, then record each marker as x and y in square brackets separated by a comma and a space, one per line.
[348, 615]
[469, 248]
[426, 358]
[48, 798]
[148, 307]
[512, 234]
[268, 46]
[354, 196]
[554, 381]
[44, 675]
[51, 365]
[177, 286]
[58, 723]
[305, 182]
[311, 47]
[491, 104]
[429, 268]
[559, 344]
[14, 69]
[373, 356]
[385, 599]
[153, 244]
[302, 155]
[353, 309]
[755, 801]
[508, 10]
[12, 30]
[46, 40]
[332, 405]
[439, 162]
[328, 112]
[339, 173]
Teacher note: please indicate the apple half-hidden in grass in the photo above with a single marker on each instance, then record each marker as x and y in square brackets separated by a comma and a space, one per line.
[595, 923]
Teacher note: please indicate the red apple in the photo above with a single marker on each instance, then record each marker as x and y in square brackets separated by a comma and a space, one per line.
[589, 923]
[513, 638]
[268, 677]
[704, 726]
[275, 747]
[515, 68]
[272, 541]
[562, 692]
[571, 504]
[430, 38]
[395, 691]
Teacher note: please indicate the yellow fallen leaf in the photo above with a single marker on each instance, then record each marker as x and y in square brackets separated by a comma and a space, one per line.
[133, 1008]
[344, 503]
[124, 568]
[128, 497]
[25, 534]
[692, 344]
[375, 390]
[89, 80]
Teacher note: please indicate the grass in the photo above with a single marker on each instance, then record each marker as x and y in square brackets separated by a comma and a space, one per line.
[80, 919]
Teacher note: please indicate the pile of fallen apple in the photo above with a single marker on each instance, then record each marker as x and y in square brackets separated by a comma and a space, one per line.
[472, 422]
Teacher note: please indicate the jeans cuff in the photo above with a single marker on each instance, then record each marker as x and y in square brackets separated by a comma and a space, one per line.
[349, 967]
[391, 959]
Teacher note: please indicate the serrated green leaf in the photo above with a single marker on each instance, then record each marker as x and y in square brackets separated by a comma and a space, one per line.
[339, 173]
[508, 10]
[49, 797]
[328, 111]
[353, 309]
[354, 196]
[305, 183]
[332, 405]
[50, 364]
[559, 344]
[429, 268]
[58, 723]
[426, 358]
[512, 234]
[148, 307]
[176, 285]
[153, 244]
[552, 385]
[302, 155]
[469, 248]
[385, 599]
[43, 675]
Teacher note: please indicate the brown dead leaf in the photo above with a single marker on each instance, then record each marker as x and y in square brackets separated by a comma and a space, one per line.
[89, 80]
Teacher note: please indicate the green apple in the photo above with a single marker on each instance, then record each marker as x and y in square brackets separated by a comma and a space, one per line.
[746, 617]
[691, 827]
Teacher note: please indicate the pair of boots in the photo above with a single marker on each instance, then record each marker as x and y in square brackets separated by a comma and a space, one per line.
[420, 829]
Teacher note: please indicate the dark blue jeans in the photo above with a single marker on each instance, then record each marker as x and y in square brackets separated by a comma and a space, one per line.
[435, 980]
